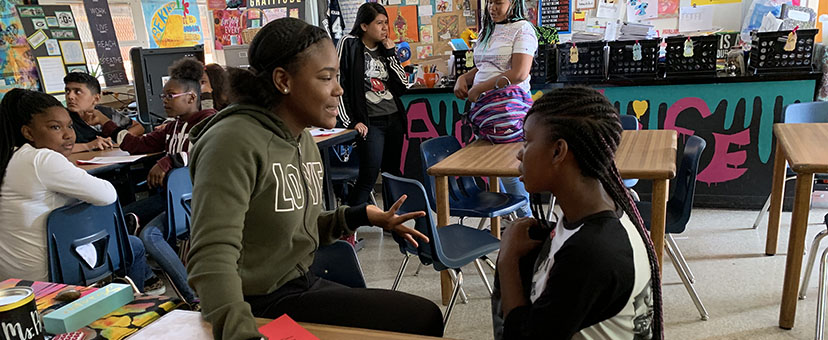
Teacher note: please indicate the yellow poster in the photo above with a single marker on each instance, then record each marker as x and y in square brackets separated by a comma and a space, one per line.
[173, 23]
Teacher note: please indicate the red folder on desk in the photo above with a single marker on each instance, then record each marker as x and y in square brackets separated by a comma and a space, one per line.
[284, 328]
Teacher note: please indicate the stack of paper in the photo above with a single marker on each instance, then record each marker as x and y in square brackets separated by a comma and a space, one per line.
[586, 36]
[633, 31]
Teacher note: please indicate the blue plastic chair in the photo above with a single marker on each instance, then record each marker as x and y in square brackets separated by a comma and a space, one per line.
[178, 184]
[629, 122]
[466, 199]
[70, 227]
[450, 247]
[338, 262]
[679, 207]
[798, 113]
[344, 169]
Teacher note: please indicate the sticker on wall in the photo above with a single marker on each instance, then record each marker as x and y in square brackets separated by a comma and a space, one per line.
[63, 34]
[39, 24]
[427, 34]
[424, 52]
[30, 11]
[52, 22]
[37, 39]
[65, 19]
[52, 47]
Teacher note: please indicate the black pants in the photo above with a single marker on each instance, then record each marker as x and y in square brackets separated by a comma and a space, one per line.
[379, 150]
[315, 300]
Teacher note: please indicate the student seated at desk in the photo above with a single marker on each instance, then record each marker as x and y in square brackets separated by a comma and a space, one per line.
[83, 92]
[257, 200]
[36, 136]
[214, 88]
[595, 273]
[181, 101]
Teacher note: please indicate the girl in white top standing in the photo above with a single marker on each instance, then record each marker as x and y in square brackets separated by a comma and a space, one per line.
[505, 48]
[36, 136]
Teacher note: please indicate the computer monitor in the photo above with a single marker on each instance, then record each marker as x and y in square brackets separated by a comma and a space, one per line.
[236, 56]
[150, 72]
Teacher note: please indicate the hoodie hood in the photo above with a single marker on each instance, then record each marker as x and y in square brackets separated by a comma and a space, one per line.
[264, 116]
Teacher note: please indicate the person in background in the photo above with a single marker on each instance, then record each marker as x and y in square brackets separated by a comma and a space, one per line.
[595, 272]
[373, 81]
[181, 96]
[36, 136]
[505, 48]
[257, 200]
[214, 88]
[83, 93]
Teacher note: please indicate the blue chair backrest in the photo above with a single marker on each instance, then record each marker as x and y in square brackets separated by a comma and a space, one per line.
[433, 151]
[79, 224]
[813, 112]
[629, 122]
[178, 184]
[416, 201]
[338, 262]
[681, 202]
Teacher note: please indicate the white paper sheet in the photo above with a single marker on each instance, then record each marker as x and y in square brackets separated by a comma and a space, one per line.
[699, 18]
[316, 132]
[640, 10]
[111, 160]
[88, 253]
[607, 10]
[52, 73]
[425, 11]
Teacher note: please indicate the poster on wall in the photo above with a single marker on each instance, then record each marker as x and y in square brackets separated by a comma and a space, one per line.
[668, 8]
[17, 67]
[555, 13]
[173, 23]
[227, 27]
[293, 8]
[106, 43]
[402, 22]
[641, 10]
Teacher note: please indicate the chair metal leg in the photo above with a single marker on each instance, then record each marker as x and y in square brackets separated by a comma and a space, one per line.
[823, 291]
[766, 207]
[132, 284]
[483, 277]
[671, 242]
[373, 199]
[488, 262]
[461, 220]
[481, 224]
[400, 273]
[175, 289]
[803, 287]
[463, 296]
[458, 282]
[419, 266]
[690, 288]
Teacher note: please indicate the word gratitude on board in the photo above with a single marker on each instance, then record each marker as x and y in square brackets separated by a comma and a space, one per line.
[267, 3]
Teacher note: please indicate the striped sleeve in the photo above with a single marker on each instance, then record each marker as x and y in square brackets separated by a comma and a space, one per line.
[341, 77]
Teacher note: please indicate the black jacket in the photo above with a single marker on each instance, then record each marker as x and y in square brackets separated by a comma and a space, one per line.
[352, 106]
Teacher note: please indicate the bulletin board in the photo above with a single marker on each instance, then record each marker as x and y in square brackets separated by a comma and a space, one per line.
[438, 21]
[56, 46]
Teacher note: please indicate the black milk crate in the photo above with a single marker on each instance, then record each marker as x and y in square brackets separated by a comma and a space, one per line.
[460, 62]
[539, 65]
[623, 65]
[591, 63]
[703, 61]
[768, 55]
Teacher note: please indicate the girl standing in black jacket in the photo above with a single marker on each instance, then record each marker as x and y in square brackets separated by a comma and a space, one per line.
[373, 80]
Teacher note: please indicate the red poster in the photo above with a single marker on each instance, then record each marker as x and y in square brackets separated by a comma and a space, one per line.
[216, 4]
[227, 27]
[668, 8]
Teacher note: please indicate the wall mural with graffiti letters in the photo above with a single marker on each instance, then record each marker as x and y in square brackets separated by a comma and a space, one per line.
[736, 120]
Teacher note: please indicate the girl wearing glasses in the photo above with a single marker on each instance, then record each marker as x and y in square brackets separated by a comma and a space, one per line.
[182, 101]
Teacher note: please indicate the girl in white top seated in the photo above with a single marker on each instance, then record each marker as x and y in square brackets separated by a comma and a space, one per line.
[36, 136]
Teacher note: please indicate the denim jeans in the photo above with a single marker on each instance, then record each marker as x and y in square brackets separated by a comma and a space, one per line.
[379, 150]
[137, 268]
[157, 247]
[513, 185]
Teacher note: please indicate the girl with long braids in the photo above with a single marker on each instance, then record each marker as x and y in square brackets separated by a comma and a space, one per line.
[596, 275]
[257, 207]
[506, 48]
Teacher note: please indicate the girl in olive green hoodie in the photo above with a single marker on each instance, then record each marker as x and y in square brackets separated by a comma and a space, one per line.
[257, 200]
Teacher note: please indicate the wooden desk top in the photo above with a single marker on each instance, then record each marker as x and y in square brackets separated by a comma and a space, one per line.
[187, 325]
[645, 154]
[83, 156]
[804, 146]
[321, 139]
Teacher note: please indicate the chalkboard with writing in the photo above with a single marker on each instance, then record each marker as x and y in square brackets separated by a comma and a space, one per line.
[106, 43]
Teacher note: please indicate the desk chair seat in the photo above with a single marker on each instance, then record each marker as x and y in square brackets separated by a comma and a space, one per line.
[451, 247]
[679, 207]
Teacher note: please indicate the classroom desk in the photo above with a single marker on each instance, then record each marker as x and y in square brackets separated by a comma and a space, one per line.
[644, 154]
[803, 147]
[324, 143]
[187, 325]
[94, 169]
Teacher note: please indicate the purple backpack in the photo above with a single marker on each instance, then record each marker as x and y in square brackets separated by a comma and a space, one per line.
[498, 114]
